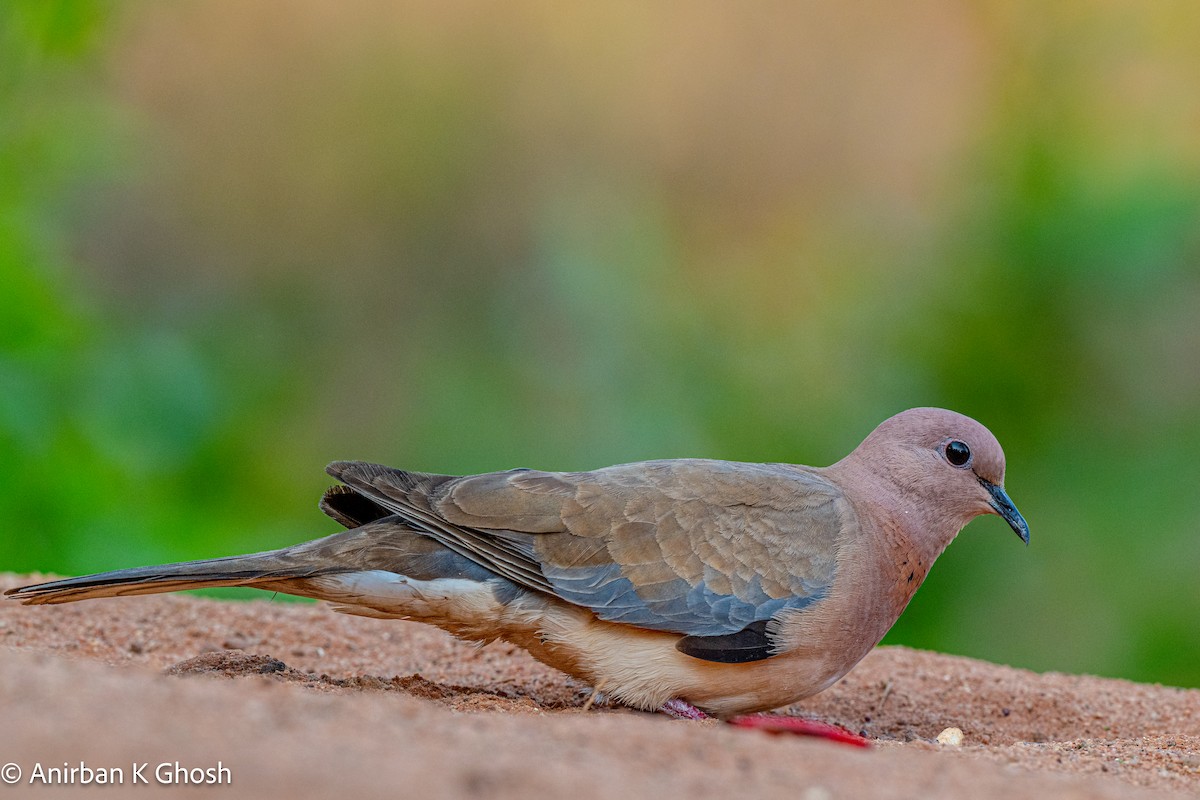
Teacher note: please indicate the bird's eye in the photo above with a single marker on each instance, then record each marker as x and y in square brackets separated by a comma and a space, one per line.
[957, 453]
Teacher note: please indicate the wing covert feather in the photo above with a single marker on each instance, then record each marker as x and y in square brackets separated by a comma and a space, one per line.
[698, 547]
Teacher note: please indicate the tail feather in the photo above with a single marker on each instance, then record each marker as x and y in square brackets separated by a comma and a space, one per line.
[254, 570]
[386, 544]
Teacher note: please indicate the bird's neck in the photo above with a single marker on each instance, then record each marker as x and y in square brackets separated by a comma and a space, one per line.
[911, 526]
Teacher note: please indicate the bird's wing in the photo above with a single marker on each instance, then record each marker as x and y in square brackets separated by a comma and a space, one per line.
[708, 549]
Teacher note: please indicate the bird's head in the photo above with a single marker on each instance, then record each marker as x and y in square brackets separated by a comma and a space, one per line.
[951, 466]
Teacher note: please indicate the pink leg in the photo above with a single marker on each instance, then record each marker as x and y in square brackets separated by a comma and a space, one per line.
[682, 709]
[771, 723]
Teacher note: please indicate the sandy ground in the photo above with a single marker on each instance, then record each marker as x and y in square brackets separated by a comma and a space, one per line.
[296, 701]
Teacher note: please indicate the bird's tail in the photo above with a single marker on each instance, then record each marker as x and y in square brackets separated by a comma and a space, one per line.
[284, 570]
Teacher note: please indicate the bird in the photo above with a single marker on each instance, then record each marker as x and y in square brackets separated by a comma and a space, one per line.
[696, 587]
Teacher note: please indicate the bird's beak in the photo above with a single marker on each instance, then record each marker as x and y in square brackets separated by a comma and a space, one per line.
[1003, 506]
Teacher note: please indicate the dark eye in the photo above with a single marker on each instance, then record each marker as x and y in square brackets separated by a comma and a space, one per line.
[957, 453]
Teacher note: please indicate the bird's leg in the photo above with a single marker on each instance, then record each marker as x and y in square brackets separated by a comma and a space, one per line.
[772, 723]
[682, 709]
[596, 695]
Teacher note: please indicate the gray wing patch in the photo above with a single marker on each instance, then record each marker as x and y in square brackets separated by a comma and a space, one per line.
[674, 606]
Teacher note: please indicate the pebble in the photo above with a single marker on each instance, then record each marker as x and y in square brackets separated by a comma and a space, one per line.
[952, 737]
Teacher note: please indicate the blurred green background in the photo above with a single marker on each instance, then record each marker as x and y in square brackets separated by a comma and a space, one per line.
[240, 238]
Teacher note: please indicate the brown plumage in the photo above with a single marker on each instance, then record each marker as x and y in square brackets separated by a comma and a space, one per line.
[735, 587]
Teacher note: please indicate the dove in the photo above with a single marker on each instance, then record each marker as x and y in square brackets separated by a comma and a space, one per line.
[691, 586]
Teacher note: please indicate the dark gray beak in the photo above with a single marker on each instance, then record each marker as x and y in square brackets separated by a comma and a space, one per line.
[1003, 506]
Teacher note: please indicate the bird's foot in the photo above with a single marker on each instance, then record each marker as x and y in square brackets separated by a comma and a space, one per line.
[773, 723]
[593, 698]
[682, 709]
